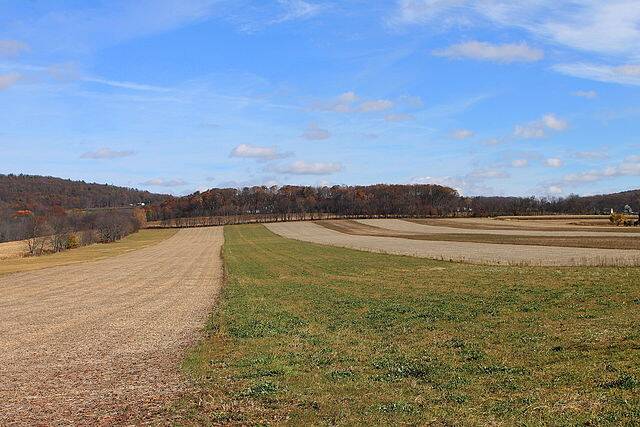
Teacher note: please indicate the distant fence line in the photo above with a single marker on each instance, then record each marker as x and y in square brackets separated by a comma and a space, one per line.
[209, 221]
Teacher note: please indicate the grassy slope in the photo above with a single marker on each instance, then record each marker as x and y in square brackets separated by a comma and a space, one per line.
[139, 240]
[313, 334]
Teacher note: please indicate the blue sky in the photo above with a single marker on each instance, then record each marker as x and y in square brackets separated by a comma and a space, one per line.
[535, 97]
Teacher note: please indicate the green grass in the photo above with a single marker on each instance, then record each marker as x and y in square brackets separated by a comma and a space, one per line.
[309, 334]
[132, 242]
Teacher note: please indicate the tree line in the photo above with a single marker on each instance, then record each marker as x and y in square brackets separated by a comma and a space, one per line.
[220, 206]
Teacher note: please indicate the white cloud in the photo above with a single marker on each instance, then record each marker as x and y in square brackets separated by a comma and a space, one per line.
[375, 105]
[591, 155]
[106, 153]
[533, 130]
[125, 85]
[630, 166]
[588, 94]
[315, 133]
[249, 151]
[12, 47]
[554, 123]
[297, 9]
[260, 15]
[341, 104]
[554, 190]
[461, 134]
[538, 129]
[8, 80]
[520, 163]
[482, 51]
[493, 141]
[412, 101]
[346, 103]
[301, 167]
[553, 162]
[608, 27]
[399, 117]
[488, 174]
[162, 182]
[624, 74]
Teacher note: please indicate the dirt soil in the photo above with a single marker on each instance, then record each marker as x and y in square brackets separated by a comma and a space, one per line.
[542, 223]
[100, 343]
[447, 228]
[472, 252]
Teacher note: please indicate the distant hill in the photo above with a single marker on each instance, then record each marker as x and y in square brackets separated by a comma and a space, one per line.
[42, 192]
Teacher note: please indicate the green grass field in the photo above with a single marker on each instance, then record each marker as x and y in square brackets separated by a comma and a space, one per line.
[309, 334]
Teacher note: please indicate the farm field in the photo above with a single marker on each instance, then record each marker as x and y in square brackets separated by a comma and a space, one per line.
[13, 262]
[313, 334]
[99, 343]
[532, 223]
[554, 250]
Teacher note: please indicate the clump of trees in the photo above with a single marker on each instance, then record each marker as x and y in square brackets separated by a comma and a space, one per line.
[57, 229]
[620, 219]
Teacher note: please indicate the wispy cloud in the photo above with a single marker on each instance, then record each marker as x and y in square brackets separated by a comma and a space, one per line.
[630, 166]
[302, 167]
[538, 129]
[375, 105]
[11, 48]
[483, 51]
[316, 133]
[628, 74]
[588, 94]
[462, 134]
[8, 80]
[553, 162]
[297, 9]
[106, 153]
[163, 182]
[399, 117]
[609, 27]
[249, 151]
[350, 102]
[125, 85]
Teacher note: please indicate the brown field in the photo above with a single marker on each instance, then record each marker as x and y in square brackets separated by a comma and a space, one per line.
[481, 249]
[95, 252]
[100, 343]
[539, 223]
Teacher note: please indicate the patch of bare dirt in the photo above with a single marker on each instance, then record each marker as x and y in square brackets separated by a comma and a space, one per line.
[100, 343]
[435, 228]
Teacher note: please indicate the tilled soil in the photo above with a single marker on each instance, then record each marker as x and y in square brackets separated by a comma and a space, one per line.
[472, 252]
[100, 343]
[414, 227]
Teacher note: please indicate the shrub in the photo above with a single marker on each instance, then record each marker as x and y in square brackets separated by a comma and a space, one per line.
[72, 241]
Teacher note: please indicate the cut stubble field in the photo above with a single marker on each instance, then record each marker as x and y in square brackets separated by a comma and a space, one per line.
[15, 263]
[313, 334]
[99, 343]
